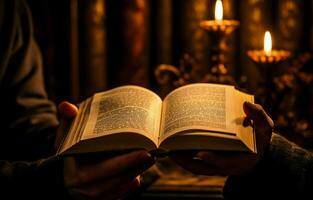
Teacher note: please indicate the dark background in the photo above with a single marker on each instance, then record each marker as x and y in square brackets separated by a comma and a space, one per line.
[93, 45]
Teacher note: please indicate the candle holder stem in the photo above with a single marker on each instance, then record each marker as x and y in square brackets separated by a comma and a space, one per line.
[218, 73]
[267, 65]
[266, 85]
[219, 48]
[219, 32]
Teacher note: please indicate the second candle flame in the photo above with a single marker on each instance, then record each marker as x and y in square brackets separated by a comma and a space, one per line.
[267, 43]
[218, 10]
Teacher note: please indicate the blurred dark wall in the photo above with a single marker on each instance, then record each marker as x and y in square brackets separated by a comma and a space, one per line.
[51, 28]
[93, 45]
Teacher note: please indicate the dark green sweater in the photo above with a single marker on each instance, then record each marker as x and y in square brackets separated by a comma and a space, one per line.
[28, 119]
[284, 172]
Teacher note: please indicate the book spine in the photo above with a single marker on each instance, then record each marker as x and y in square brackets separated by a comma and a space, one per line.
[93, 53]
[128, 41]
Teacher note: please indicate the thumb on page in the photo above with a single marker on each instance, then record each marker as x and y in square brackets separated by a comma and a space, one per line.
[67, 113]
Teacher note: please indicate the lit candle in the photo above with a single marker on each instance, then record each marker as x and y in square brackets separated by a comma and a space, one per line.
[219, 25]
[218, 10]
[268, 55]
[267, 43]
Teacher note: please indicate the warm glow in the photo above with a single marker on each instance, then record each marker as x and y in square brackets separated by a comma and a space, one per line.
[218, 10]
[267, 43]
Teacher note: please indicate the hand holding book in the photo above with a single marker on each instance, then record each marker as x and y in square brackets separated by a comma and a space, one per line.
[221, 160]
[100, 177]
[193, 117]
[231, 163]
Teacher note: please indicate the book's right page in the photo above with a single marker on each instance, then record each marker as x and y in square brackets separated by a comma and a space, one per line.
[198, 106]
[205, 109]
[243, 132]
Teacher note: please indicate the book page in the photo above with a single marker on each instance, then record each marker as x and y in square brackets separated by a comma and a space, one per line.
[75, 132]
[245, 133]
[124, 109]
[198, 107]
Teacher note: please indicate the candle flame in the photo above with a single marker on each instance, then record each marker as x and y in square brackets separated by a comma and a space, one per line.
[218, 10]
[267, 43]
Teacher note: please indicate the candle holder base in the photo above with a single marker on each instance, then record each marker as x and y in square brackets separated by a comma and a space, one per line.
[222, 27]
[259, 56]
[174, 77]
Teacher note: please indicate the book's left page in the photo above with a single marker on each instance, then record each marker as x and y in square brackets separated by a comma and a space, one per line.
[125, 117]
[74, 133]
[124, 109]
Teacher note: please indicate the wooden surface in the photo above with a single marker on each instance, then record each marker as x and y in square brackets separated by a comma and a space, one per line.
[169, 181]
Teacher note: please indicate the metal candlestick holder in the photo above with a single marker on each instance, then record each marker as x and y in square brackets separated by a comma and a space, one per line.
[220, 31]
[276, 56]
[267, 62]
[284, 91]
[218, 72]
[268, 66]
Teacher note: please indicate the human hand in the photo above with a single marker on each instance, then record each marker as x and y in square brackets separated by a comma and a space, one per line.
[231, 163]
[67, 112]
[108, 177]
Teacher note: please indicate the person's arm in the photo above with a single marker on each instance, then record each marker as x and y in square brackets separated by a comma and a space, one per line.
[42, 179]
[28, 122]
[28, 119]
[285, 171]
[280, 168]
[232, 163]
[72, 178]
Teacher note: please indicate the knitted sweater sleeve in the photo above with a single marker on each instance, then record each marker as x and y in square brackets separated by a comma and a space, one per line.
[285, 171]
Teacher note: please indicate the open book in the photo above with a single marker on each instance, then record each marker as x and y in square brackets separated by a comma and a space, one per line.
[194, 117]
